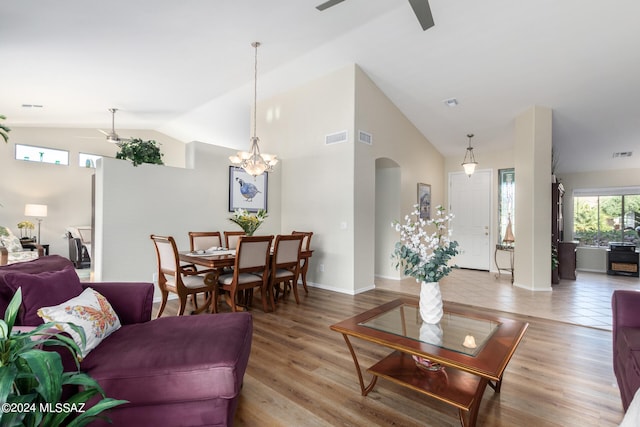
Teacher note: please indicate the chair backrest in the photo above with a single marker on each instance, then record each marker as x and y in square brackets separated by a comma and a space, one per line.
[286, 251]
[231, 238]
[252, 254]
[306, 241]
[167, 253]
[203, 240]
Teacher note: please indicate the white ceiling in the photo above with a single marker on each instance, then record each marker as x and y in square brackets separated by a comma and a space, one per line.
[186, 67]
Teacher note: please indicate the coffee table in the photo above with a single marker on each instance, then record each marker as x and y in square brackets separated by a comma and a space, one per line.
[466, 371]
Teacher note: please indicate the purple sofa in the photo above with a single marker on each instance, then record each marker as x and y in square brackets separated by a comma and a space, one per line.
[626, 343]
[174, 371]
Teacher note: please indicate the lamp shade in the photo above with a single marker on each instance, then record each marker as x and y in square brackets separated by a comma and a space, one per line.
[39, 211]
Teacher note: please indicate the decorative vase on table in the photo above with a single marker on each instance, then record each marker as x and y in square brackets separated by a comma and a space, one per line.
[430, 302]
[425, 256]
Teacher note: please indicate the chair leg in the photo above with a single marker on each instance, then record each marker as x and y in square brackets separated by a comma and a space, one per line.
[183, 304]
[214, 300]
[165, 296]
[294, 286]
[304, 269]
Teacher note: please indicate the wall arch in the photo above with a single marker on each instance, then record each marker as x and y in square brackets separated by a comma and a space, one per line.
[388, 201]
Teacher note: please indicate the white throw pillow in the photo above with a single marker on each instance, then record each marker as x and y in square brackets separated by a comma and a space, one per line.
[91, 312]
[10, 241]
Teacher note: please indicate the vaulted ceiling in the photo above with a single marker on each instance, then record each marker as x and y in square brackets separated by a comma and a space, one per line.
[186, 67]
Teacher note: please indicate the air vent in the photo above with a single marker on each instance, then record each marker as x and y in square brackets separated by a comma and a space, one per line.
[365, 137]
[336, 138]
[623, 154]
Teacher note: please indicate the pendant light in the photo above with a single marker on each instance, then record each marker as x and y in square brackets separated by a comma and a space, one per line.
[469, 163]
[252, 161]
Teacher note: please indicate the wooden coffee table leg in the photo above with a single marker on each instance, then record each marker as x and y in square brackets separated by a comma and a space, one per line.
[470, 421]
[364, 390]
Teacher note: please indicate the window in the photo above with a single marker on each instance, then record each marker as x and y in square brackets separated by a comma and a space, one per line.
[600, 219]
[506, 203]
[88, 160]
[32, 153]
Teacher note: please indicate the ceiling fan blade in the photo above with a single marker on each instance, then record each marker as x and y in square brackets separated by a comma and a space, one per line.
[103, 132]
[328, 4]
[423, 13]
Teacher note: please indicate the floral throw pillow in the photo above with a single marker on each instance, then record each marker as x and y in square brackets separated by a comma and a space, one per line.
[9, 240]
[90, 311]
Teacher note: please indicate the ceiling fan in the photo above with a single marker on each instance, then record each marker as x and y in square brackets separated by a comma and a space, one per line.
[113, 136]
[420, 8]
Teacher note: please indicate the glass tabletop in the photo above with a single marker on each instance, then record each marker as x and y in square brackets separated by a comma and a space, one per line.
[463, 334]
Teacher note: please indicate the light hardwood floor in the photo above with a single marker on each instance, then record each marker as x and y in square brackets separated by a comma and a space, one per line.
[300, 373]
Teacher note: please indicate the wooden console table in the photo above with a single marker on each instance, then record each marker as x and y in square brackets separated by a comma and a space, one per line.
[510, 250]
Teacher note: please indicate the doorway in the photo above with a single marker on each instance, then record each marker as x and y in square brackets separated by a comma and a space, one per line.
[470, 202]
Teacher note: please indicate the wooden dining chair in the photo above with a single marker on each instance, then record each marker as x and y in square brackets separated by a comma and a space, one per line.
[203, 240]
[251, 270]
[285, 265]
[304, 262]
[231, 238]
[180, 280]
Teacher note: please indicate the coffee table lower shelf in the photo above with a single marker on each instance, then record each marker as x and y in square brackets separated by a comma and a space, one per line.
[452, 386]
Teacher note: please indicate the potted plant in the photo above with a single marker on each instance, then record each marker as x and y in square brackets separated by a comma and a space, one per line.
[4, 131]
[248, 222]
[24, 227]
[140, 151]
[31, 379]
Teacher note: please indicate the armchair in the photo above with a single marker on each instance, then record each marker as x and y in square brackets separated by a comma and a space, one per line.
[626, 343]
[11, 250]
[79, 246]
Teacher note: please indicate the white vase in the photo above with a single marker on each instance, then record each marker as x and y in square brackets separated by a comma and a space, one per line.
[430, 302]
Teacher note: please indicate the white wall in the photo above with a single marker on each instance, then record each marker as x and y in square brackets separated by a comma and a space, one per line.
[386, 211]
[396, 140]
[317, 179]
[134, 202]
[66, 190]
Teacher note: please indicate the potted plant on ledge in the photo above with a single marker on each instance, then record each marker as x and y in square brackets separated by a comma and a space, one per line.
[140, 151]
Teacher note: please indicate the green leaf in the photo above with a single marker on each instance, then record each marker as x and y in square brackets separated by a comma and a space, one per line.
[91, 414]
[12, 311]
[7, 376]
[47, 368]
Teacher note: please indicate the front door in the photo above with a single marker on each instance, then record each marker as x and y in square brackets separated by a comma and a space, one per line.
[470, 202]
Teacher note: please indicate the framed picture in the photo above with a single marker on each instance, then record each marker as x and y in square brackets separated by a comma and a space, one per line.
[424, 200]
[247, 192]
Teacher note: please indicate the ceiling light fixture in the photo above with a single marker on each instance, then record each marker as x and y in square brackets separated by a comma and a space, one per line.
[469, 163]
[254, 162]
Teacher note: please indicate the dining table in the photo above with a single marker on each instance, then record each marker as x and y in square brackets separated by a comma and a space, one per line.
[227, 257]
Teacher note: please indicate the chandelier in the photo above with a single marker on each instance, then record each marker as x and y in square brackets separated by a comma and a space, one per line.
[469, 163]
[252, 161]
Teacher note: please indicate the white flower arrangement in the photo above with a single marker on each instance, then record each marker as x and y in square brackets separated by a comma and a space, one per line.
[421, 254]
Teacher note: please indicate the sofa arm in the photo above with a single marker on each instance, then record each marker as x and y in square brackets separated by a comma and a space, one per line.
[624, 305]
[132, 301]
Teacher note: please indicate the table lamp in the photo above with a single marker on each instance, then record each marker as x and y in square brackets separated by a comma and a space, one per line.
[38, 211]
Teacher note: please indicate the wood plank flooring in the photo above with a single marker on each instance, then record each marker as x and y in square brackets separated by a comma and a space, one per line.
[300, 373]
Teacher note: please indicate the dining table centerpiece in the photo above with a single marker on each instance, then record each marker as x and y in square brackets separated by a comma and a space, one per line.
[247, 221]
[423, 252]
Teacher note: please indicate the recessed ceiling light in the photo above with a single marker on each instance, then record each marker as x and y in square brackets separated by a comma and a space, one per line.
[31, 106]
[451, 102]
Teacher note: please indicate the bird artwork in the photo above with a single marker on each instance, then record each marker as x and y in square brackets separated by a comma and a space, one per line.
[247, 189]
